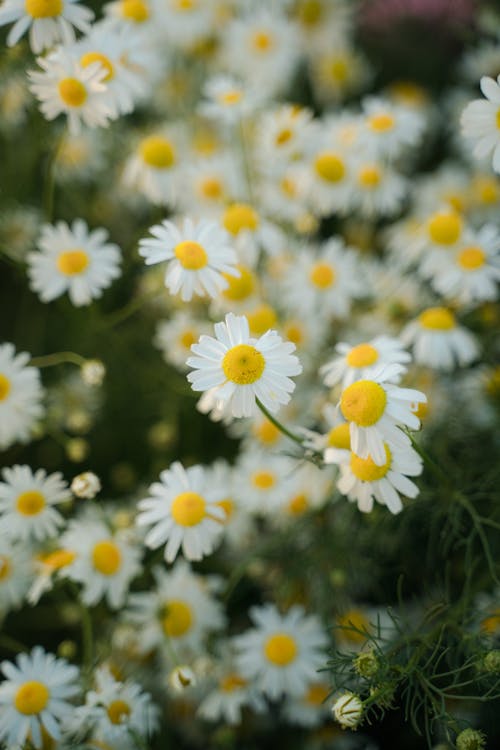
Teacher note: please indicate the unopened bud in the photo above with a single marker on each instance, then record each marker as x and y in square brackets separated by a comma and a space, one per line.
[181, 678]
[491, 662]
[77, 449]
[93, 372]
[86, 485]
[348, 710]
[471, 739]
[366, 664]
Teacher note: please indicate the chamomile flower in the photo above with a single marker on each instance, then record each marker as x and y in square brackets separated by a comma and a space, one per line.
[388, 128]
[66, 87]
[264, 481]
[48, 21]
[244, 369]
[310, 709]
[376, 409]
[175, 336]
[438, 341]
[26, 503]
[283, 652]
[182, 511]
[20, 396]
[181, 608]
[379, 189]
[480, 122]
[104, 562]
[49, 567]
[227, 99]
[198, 255]
[138, 15]
[356, 362]
[74, 260]
[17, 572]
[184, 22]
[363, 481]
[229, 696]
[34, 697]
[211, 182]
[337, 70]
[283, 134]
[329, 176]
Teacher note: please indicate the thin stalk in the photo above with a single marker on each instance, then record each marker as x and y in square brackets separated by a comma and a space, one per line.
[278, 425]
[58, 358]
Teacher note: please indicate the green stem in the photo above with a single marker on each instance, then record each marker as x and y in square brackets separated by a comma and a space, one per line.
[87, 639]
[49, 187]
[278, 424]
[125, 312]
[246, 162]
[58, 358]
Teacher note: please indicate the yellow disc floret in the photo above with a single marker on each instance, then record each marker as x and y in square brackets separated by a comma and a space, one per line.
[437, 319]
[310, 12]
[30, 503]
[31, 698]
[329, 166]
[5, 568]
[280, 649]
[298, 504]
[471, 258]
[445, 227]
[262, 41]
[191, 255]
[118, 711]
[369, 176]
[243, 364]
[188, 509]
[43, 8]
[317, 694]
[239, 217]
[231, 97]
[367, 470]
[322, 275]
[72, 92]
[362, 355]
[177, 618]
[363, 402]
[267, 433]
[340, 437]
[232, 682]
[240, 287]
[92, 57]
[106, 557]
[135, 10]
[157, 151]
[72, 262]
[58, 559]
[354, 618]
[4, 387]
[211, 188]
[261, 319]
[187, 339]
[381, 123]
[263, 480]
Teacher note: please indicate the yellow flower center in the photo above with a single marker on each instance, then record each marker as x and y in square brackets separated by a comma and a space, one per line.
[322, 275]
[471, 258]
[456, 201]
[239, 287]
[72, 92]
[118, 711]
[498, 118]
[329, 166]
[262, 41]
[317, 694]
[43, 8]
[283, 136]
[491, 624]
[177, 619]
[340, 437]
[211, 188]
[437, 318]
[227, 506]
[362, 355]
[445, 227]
[310, 12]
[243, 364]
[366, 470]
[263, 480]
[4, 387]
[381, 123]
[31, 698]
[294, 333]
[240, 216]
[5, 568]
[232, 682]
[72, 262]
[261, 319]
[188, 509]
[30, 503]
[106, 557]
[191, 255]
[91, 57]
[486, 188]
[157, 152]
[59, 559]
[288, 187]
[185, 4]
[231, 97]
[135, 10]
[492, 384]
[357, 619]
[338, 69]
[280, 649]
[369, 176]
[267, 433]
[298, 504]
[363, 402]
[187, 339]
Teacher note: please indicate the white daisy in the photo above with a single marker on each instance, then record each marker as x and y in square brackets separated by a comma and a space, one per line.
[48, 567]
[182, 511]
[244, 369]
[480, 122]
[74, 260]
[310, 709]
[229, 696]
[210, 182]
[154, 168]
[378, 189]
[66, 87]
[26, 503]
[438, 341]
[283, 652]
[283, 135]
[263, 480]
[356, 362]
[198, 254]
[133, 14]
[363, 481]
[34, 697]
[227, 99]
[184, 22]
[376, 409]
[181, 608]
[20, 396]
[48, 21]
[175, 336]
[17, 572]
[388, 128]
[105, 563]
[329, 176]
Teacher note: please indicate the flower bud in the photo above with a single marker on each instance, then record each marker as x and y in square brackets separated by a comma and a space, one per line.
[366, 664]
[470, 739]
[93, 372]
[348, 710]
[86, 485]
[491, 661]
[181, 678]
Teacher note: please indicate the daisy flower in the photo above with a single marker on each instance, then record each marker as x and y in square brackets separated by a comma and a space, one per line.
[154, 167]
[184, 22]
[244, 369]
[362, 481]
[263, 480]
[337, 69]
[310, 709]
[182, 511]
[66, 87]
[388, 128]
[379, 189]
[329, 176]
[356, 362]
[104, 562]
[283, 652]
[17, 572]
[199, 254]
[227, 99]
[34, 697]
[175, 336]
[74, 260]
[438, 341]
[132, 14]
[211, 182]
[20, 396]
[181, 608]
[48, 21]
[229, 696]
[376, 408]
[26, 503]
[48, 568]
[480, 122]
[283, 134]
